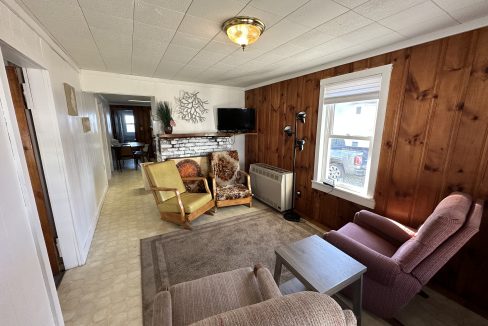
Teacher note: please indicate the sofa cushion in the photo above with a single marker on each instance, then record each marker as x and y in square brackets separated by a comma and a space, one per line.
[368, 238]
[298, 309]
[236, 191]
[165, 175]
[224, 166]
[191, 202]
[214, 294]
[447, 218]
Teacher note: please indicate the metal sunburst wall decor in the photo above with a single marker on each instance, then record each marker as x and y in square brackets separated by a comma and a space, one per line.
[190, 107]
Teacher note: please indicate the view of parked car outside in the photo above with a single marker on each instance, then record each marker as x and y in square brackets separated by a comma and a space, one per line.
[349, 142]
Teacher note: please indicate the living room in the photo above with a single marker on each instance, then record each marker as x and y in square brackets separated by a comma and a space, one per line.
[346, 140]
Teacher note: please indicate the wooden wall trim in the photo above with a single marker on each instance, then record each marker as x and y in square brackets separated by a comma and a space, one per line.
[435, 141]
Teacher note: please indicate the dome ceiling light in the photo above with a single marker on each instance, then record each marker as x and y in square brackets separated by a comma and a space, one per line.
[243, 30]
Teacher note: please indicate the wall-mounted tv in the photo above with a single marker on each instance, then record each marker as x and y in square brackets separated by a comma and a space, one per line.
[236, 119]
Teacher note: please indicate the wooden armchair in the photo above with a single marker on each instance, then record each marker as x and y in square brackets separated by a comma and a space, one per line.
[175, 204]
[230, 186]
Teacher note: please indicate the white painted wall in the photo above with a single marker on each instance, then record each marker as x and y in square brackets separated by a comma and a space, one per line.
[27, 291]
[73, 161]
[166, 90]
[23, 295]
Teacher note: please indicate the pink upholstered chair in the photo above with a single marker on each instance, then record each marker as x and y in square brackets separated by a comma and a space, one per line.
[401, 260]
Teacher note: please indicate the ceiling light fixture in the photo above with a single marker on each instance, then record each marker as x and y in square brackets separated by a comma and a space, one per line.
[243, 30]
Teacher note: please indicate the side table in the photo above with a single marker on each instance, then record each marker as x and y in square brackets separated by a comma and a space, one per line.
[321, 267]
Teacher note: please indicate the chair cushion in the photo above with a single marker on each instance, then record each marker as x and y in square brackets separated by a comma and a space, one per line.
[447, 218]
[236, 191]
[224, 166]
[368, 238]
[165, 175]
[214, 294]
[191, 202]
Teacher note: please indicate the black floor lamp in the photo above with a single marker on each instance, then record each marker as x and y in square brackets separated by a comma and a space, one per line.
[291, 215]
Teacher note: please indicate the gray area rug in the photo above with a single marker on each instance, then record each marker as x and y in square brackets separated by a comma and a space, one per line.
[236, 242]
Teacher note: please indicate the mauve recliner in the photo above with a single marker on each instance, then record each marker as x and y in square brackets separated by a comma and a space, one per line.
[402, 260]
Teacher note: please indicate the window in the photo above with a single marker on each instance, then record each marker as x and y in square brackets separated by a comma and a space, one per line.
[129, 123]
[351, 117]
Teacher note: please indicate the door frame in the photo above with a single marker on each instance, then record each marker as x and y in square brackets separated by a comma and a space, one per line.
[30, 143]
[10, 122]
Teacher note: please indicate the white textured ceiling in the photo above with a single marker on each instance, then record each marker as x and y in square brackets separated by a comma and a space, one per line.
[182, 39]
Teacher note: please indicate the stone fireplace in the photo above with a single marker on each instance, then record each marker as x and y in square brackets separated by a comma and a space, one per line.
[188, 145]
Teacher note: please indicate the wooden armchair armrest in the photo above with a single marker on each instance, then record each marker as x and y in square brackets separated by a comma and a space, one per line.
[205, 182]
[165, 189]
[178, 197]
[193, 178]
[248, 179]
[214, 185]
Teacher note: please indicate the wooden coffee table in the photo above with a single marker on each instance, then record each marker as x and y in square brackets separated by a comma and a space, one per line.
[321, 267]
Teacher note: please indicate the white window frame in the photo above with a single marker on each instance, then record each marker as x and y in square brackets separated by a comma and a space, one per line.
[131, 123]
[323, 133]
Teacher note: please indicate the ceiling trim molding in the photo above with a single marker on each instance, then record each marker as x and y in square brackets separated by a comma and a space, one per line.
[458, 29]
[22, 12]
[90, 73]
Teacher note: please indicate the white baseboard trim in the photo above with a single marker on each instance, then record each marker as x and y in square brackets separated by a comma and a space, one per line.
[86, 246]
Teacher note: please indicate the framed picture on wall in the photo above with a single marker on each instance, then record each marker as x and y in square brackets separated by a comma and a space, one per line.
[69, 91]
[85, 121]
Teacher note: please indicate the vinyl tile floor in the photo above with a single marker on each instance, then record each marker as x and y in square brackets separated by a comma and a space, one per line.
[107, 291]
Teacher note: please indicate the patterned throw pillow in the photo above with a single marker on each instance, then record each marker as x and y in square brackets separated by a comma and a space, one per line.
[225, 166]
[190, 168]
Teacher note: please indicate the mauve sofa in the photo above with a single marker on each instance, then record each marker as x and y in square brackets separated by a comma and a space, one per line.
[244, 297]
[402, 260]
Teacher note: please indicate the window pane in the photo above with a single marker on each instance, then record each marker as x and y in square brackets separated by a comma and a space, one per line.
[129, 118]
[354, 118]
[347, 162]
[130, 128]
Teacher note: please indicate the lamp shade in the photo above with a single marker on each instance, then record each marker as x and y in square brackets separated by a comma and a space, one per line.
[243, 30]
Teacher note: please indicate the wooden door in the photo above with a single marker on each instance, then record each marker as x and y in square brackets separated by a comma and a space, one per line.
[34, 166]
[142, 116]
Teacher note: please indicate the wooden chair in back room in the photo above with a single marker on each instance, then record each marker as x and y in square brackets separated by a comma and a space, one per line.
[125, 153]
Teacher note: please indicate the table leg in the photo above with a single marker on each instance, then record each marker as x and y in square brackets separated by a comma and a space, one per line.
[358, 299]
[277, 270]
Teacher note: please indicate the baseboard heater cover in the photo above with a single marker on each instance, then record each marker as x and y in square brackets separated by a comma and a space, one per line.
[272, 185]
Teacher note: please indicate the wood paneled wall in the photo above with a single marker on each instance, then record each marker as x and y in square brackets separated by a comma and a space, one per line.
[435, 141]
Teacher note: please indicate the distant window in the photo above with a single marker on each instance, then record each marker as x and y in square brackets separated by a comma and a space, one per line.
[351, 117]
[130, 126]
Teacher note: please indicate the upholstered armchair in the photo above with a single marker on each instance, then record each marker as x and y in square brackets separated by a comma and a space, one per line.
[402, 260]
[175, 204]
[244, 296]
[230, 185]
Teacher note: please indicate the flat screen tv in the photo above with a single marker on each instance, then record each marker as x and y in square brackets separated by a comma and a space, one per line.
[236, 119]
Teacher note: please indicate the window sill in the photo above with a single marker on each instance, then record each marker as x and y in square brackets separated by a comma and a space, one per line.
[344, 194]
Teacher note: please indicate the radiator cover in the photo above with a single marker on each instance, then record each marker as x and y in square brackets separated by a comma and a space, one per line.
[272, 185]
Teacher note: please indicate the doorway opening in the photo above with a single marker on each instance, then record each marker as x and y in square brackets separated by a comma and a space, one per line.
[35, 169]
[132, 130]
